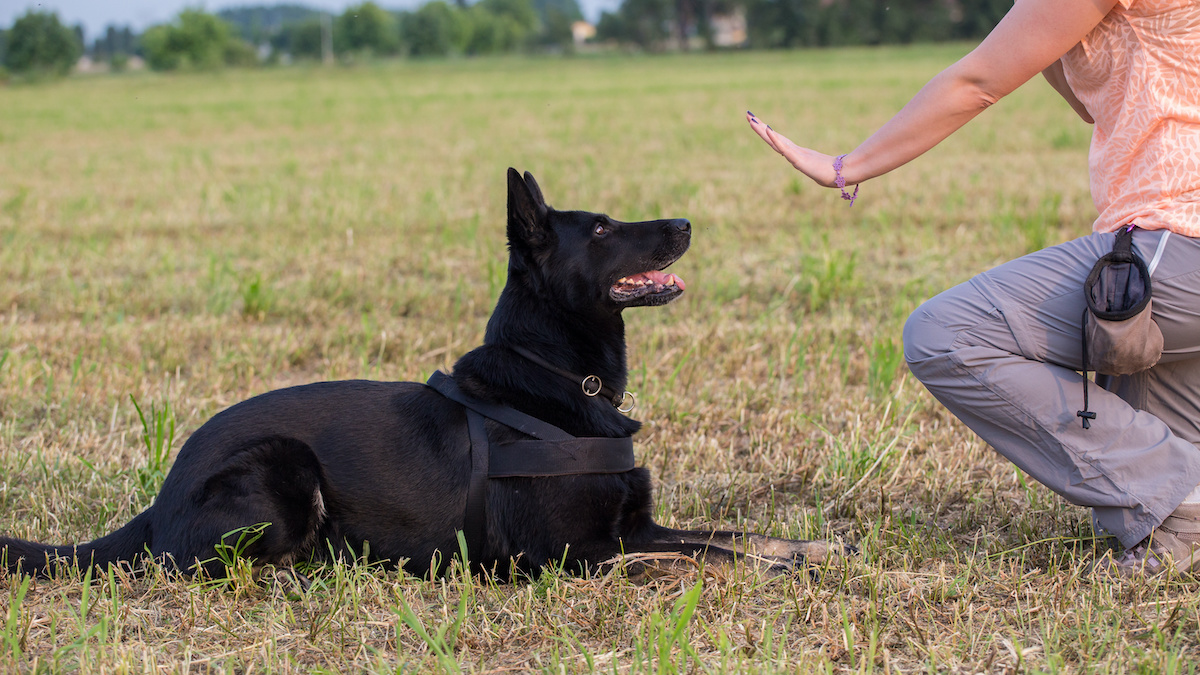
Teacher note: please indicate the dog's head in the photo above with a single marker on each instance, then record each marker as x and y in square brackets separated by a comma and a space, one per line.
[588, 259]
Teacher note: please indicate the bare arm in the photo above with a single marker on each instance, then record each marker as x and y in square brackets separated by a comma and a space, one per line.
[1028, 40]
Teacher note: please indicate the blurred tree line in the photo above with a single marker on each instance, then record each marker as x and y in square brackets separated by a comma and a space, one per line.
[195, 40]
[437, 28]
[39, 43]
[115, 46]
[772, 24]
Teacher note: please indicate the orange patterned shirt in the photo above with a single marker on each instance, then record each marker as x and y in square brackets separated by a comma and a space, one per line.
[1138, 74]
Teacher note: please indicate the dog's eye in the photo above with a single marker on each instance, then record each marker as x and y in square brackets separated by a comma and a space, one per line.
[600, 230]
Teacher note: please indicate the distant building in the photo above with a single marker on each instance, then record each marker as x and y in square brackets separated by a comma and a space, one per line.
[87, 65]
[582, 31]
[729, 30]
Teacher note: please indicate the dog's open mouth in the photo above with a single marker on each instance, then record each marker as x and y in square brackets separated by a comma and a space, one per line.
[654, 287]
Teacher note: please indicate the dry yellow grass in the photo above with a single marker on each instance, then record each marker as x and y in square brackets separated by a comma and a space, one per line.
[190, 241]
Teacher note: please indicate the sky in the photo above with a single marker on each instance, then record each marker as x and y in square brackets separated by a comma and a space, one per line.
[95, 15]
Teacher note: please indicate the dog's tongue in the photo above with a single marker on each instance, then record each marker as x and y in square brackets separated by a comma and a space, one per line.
[657, 278]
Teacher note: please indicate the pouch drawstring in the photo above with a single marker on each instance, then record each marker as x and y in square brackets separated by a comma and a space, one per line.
[1086, 414]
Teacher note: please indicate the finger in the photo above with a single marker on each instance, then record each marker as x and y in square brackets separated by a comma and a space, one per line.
[778, 140]
[782, 144]
[759, 128]
[794, 154]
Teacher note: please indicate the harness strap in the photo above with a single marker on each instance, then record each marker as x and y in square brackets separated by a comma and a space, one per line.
[526, 424]
[561, 458]
[552, 452]
[475, 519]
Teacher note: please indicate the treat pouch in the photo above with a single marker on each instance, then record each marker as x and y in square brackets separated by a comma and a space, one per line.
[1120, 336]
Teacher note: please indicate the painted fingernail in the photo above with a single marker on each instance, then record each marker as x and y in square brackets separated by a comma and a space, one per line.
[751, 114]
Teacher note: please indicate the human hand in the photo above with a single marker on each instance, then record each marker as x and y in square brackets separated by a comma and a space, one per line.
[817, 166]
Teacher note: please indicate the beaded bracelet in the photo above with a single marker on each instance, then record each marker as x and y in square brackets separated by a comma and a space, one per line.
[840, 181]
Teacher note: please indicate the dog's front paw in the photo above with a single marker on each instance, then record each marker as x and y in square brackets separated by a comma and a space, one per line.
[821, 551]
[286, 582]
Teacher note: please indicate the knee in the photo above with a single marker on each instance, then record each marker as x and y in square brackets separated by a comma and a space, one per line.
[926, 337]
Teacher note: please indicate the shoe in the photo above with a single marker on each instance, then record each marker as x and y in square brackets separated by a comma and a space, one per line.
[1172, 546]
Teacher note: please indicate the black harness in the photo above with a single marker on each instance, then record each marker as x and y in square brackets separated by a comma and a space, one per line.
[551, 452]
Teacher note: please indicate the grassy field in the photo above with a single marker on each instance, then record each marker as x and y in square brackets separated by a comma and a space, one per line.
[184, 242]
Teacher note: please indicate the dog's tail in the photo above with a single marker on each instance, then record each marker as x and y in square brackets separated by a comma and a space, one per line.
[127, 544]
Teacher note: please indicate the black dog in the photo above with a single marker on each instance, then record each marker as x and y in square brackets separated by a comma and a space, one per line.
[393, 470]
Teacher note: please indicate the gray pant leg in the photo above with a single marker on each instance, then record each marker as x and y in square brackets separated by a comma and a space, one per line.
[1000, 352]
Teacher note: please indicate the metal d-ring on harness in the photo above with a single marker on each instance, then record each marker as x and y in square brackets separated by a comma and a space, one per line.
[592, 386]
[551, 452]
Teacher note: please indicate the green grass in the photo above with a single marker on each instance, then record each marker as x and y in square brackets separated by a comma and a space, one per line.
[188, 241]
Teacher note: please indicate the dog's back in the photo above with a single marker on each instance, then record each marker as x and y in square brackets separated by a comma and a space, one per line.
[338, 462]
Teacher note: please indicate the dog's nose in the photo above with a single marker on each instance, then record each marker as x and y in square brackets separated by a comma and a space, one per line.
[681, 224]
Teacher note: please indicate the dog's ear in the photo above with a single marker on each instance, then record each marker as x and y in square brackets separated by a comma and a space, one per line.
[526, 210]
[534, 190]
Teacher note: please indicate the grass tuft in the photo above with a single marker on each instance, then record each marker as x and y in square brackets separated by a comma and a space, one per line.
[158, 436]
